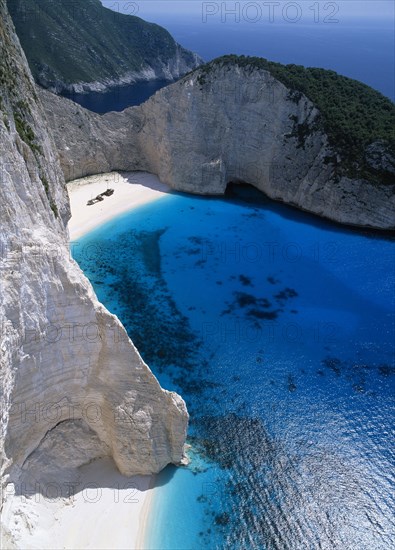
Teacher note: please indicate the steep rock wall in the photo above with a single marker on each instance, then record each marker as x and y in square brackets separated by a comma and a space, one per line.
[64, 358]
[199, 134]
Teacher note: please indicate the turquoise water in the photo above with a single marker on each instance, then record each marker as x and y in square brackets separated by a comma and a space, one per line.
[277, 328]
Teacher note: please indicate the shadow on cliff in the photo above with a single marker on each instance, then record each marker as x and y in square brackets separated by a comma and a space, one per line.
[90, 482]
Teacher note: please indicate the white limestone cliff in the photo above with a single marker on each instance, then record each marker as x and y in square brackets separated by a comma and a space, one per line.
[238, 125]
[67, 365]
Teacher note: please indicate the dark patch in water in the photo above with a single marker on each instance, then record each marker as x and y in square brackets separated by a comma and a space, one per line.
[285, 295]
[244, 300]
[192, 251]
[245, 281]
[359, 375]
[386, 370]
[359, 388]
[333, 364]
[196, 239]
[224, 434]
[150, 250]
[259, 314]
[291, 383]
[222, 519]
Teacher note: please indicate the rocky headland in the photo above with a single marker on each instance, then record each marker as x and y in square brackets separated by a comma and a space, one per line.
[233, 121]
[63, 42]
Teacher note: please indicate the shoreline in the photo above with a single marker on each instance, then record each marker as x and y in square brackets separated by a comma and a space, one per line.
[144, 516]
[131, 189]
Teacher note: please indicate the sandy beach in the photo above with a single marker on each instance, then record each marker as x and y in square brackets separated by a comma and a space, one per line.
[131, 189]
[108, 511]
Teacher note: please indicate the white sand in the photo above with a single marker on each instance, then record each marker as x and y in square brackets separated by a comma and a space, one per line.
[108, 511]
[114, 518]
[131, 189]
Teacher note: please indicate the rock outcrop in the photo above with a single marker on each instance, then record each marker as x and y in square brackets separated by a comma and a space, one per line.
[66, 363]
[231, 125]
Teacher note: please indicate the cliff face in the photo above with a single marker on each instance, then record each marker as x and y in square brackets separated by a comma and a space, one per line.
[233, 125]
[64, 45]
[66, 363]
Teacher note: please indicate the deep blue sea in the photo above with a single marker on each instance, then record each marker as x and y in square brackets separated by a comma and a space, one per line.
[363, 49]
[117, 98]
[277, 328]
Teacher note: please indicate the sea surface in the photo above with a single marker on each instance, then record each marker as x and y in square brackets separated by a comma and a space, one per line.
[117, 98]
[277, 328]
[362, 48]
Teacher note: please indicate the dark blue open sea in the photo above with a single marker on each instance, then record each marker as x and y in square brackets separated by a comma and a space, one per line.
[362, 48]
[117, 98]
[277, 328]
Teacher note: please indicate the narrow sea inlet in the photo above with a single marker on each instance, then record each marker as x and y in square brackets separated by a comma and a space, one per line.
[117, 98]
[277, 328]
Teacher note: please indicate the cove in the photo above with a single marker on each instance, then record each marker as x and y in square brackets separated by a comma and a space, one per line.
[277, 328]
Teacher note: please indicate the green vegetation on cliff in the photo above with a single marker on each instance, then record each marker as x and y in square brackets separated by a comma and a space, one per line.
[73, 41]
[353, 114]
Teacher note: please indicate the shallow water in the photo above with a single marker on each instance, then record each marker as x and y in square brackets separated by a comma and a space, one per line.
[278, 330]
